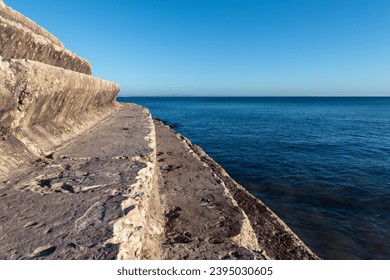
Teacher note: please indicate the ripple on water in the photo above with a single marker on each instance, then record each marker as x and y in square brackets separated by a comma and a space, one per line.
[320, 163]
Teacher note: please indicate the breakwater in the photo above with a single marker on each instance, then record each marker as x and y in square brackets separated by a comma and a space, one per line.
[85, 177]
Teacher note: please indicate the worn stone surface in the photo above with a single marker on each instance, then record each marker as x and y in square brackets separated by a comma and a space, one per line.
[190, 184]
[70, 206]
[44, 106]
[202, 220]
[96, 199]
[12, 15]
[82, 177]
[274, 237]
[23, 39]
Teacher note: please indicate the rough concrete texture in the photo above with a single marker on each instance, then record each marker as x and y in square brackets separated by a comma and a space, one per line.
[96, 205]
[274, 237]
[26, 40]
[202, 220]
[230, 222]
[83, 177]
[148, 194]
[24, 44]
[43, 106]
[12, 15]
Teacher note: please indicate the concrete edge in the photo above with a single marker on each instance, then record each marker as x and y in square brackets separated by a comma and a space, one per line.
[46, 106]
[13, 15]
[247, 237]
[297, 243]
[24, 43]
[139, 231]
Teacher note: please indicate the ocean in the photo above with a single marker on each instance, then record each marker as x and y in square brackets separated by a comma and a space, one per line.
[321, 164]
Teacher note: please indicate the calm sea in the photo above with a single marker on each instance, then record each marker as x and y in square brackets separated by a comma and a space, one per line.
[322, 164]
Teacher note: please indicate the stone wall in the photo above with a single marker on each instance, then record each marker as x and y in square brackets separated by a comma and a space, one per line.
[83, 177]
[16, 17]
[47, 95]
[21, 38]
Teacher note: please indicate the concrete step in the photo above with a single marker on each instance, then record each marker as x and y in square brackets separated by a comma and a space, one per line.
[15, 16]
[27, 40]
[202, 220]
[89, 200]
[210, 216]
[44, 106]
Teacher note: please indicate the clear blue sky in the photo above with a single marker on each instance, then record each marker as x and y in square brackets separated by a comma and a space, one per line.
[227, 47]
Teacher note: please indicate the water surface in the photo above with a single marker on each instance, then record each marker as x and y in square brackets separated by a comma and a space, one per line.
[321, 164]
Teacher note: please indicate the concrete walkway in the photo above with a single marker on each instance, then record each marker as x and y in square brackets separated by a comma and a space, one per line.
[210, 216]
[131, 188]
[202, 219]
[67, 205]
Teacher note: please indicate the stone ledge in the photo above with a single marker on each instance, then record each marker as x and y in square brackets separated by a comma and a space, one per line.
[275, 238]
[44, 106]
[99, 205]
[22, 43]
[202, 220]
[12, 15]
[92, 199]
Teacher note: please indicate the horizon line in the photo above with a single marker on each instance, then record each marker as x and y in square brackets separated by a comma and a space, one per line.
[261, 96]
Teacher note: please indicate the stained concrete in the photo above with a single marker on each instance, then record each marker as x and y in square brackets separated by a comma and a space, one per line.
[26, 40]
[66, 206]
[84, 177]
[44, 106]
[202, 220]
[12, 15]
[273, 235]
[206, 210]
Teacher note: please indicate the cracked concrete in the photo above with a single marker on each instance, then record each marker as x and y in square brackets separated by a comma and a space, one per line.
[189, 192]
[230, 222]
[26, 40]
[65, 207]
[84, 177]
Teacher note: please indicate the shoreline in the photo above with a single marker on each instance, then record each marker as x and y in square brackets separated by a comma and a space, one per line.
[85, 177]
[264, 221]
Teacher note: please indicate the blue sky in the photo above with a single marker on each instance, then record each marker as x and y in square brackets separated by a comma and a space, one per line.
[227, 47]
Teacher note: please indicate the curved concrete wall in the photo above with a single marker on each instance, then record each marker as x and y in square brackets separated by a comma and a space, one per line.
[26, 40]
[43, 106]
[47, 95]
[108, 176]
[12, 15]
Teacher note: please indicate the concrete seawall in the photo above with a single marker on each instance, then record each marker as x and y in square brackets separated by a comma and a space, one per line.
[85, 177]
[47, 95]
[16, 17]
[26, 40]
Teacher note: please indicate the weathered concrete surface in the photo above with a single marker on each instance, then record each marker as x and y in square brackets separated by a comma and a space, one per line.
[99, 198]
[96, 205]
[274, 237]
[12, 15]
[20, 38]
[43, 106]
[77, 170]
[202, 220]
[79, 177]
[195, 188]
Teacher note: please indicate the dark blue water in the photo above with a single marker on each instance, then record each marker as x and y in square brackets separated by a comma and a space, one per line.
[322, 164]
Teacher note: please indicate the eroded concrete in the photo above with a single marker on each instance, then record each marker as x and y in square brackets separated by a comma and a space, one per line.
[12, 15]
[26, 40]
[230, 222]
[274, 237]
[44, 106]
[202, 220]
[69, 206]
